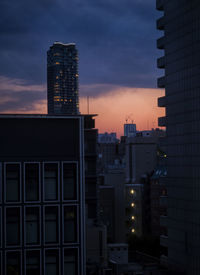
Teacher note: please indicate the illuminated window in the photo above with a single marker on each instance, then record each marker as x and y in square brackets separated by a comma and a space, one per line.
[132, 191]
[132, 230]
[132, 204]
[57, 63]
[133, 218]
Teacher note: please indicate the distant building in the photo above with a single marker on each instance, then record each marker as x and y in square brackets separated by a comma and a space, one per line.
[42, 195]
[62, 79]
[107, 138]
[130, 130]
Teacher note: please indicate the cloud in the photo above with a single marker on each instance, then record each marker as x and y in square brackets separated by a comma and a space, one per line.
[116, 39]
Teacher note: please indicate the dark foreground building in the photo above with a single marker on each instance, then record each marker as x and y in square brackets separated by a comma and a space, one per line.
[41, 195]
[180, 22]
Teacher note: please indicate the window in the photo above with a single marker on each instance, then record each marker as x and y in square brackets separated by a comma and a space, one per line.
[51, 262]
[13, 265]
[70, 262]
[51, 181]
[32, 226]
[12, 182]
[33, 262]
[32, 181]
[69, 181]
[70, 224]
[51, 224]
[12, 226]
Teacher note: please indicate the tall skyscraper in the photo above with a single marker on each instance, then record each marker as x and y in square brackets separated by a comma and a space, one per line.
[181, 61]
[62, 79]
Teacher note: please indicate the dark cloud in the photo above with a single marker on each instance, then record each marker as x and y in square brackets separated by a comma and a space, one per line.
[115, 39]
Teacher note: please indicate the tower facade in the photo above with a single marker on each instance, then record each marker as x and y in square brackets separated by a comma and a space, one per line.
[62, 79]
[180, 44]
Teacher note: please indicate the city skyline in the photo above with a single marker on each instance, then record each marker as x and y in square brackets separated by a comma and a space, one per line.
[117, 54]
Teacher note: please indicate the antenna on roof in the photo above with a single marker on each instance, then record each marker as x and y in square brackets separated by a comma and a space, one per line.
[88, 104]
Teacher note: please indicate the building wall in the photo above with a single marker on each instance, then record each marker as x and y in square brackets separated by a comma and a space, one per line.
[41, 203]
[181, 25]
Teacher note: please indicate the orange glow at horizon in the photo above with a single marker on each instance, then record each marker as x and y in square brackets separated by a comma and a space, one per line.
[139, 104]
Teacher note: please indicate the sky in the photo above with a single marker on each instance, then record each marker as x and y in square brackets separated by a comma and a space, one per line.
[116, 40]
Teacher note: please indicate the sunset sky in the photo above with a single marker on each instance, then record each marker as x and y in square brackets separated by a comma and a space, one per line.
[116, 40]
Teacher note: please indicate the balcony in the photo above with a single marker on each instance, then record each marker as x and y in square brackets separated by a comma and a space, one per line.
[161, 62]
[160, 5]
[162, 121]
[161, 43]
[160, 23]
[161, 82]
[162, 101]
[164, 240]
[163, 221]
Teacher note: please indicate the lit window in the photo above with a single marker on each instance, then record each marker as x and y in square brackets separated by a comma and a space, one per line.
[132, 191]
[132, 230]
[57, 63]
[133, 218]
[132, 204]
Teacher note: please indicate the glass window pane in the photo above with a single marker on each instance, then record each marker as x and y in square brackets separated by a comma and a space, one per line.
[13, 265]
[69, 181]
[32, 225]
[70, 224]
[32, 181]
[51, 262]
[51, 181]
[70, 262]
[12, 226]
[32, 263]
[51, 224]
[12, 182]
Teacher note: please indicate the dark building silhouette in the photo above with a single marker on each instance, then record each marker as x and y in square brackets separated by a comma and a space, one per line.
[41, 195]
[180, 23]
[62, 79]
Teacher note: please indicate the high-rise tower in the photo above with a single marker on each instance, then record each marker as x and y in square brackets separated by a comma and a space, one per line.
[62, 79]
[181, 62]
